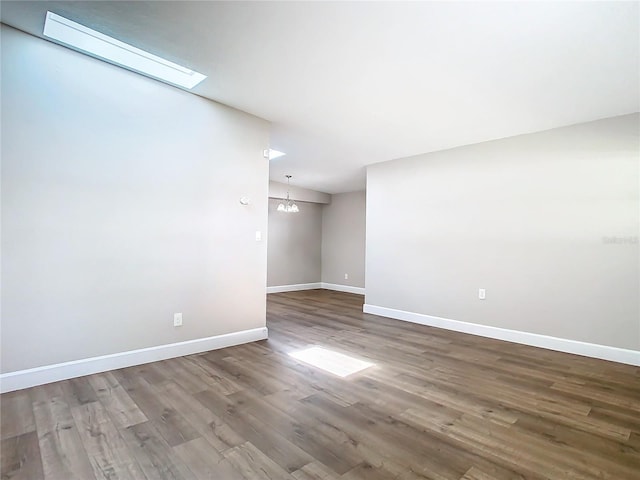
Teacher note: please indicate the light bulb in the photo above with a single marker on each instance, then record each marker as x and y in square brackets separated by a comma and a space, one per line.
[281, 207]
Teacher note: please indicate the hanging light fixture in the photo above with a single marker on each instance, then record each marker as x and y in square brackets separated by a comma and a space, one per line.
[288, 206]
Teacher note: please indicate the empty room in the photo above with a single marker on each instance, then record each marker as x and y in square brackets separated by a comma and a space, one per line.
[320, 240]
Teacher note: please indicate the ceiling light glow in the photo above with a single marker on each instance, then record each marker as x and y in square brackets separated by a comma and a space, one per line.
[102, 46]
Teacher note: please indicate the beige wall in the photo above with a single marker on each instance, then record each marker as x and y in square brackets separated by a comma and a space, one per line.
[547, 223]
[294, 244]
[120, 206]
[343, 239]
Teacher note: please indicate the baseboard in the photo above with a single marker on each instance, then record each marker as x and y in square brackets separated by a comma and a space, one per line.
[614, 354]
[78, 368]
[313, 286]
[342, 288]
[293, 288]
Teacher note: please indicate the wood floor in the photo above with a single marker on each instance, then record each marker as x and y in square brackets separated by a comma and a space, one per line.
[436, 405]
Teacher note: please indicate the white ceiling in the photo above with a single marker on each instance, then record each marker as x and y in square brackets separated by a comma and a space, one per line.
[350, 84]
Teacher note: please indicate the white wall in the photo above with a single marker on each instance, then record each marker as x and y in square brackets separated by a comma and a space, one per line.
[343, 239]
[294, 244]
[120, 207]
[547, 223]
[317, 246]
[279, 190]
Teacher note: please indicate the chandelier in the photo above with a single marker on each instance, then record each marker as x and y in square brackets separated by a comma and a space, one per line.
[288, 206]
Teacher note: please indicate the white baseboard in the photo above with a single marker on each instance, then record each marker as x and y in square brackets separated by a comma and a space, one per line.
[343, 288]
[614, 354]
[293, 288]
[78, 368]
[313, 286]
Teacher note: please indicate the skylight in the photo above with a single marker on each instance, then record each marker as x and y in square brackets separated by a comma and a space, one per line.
[275, 154]
[114, 51]
[333, 362]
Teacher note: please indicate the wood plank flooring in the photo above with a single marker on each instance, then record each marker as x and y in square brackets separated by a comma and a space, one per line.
[436, 405]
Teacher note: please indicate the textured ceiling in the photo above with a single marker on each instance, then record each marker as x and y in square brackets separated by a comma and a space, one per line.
[350, 84]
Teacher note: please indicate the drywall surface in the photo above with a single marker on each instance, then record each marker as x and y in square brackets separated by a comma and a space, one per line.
[547, 223]
[279, 190]
[343, 239]
[120, 207]
[294, 244]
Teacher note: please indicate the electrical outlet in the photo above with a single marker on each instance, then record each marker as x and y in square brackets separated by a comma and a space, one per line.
[346, 276]
[482, 294]
[177, 319]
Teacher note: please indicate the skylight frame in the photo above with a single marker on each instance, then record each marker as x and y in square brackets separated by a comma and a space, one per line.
[111, 50]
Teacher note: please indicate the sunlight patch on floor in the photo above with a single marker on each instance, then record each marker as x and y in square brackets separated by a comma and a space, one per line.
[333, 362]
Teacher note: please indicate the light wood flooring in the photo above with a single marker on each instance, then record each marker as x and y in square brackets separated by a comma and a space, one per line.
[436, 405]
